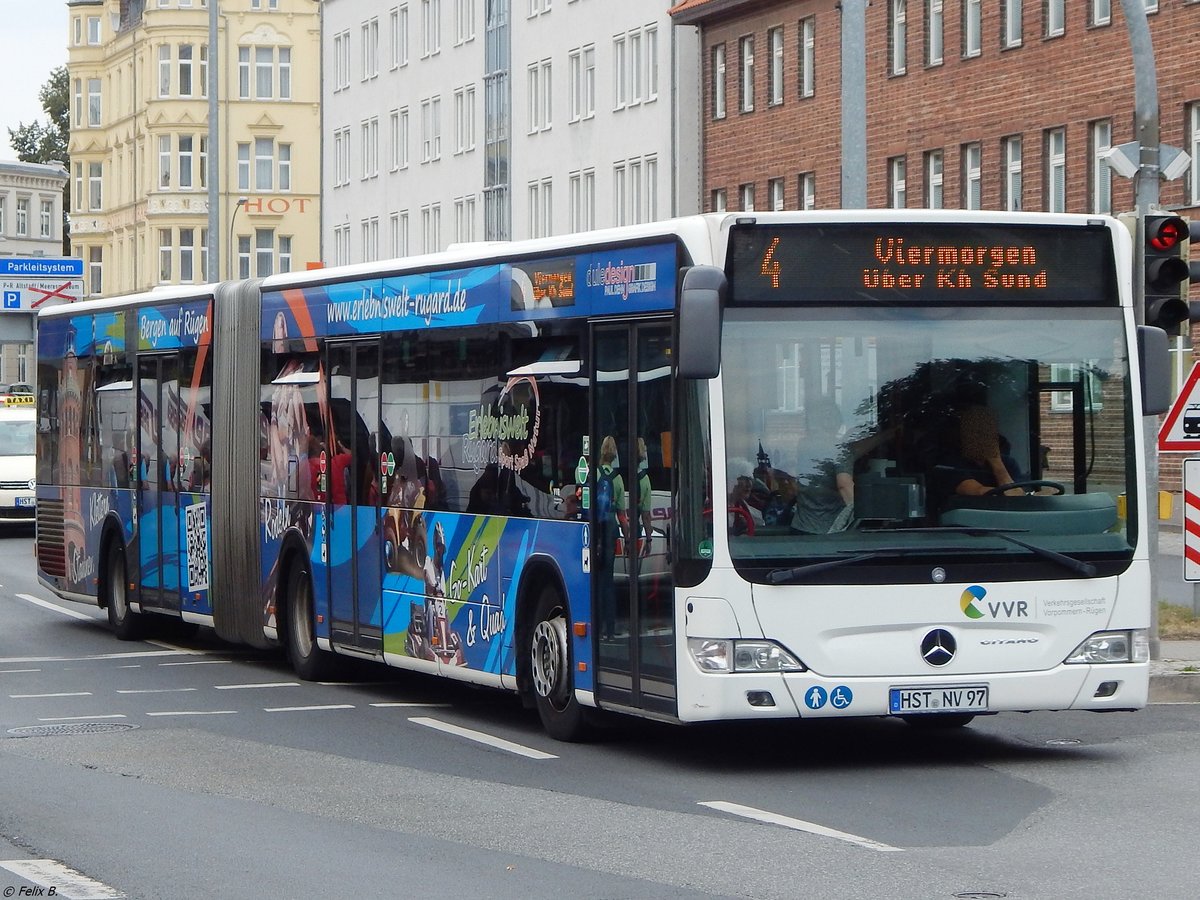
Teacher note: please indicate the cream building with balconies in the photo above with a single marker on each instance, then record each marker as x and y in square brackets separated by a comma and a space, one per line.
[140, 144]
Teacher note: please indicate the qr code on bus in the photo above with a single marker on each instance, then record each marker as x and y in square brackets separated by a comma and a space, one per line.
[196, 524]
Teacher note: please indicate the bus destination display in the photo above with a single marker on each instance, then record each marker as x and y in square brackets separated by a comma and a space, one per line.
[907, 262]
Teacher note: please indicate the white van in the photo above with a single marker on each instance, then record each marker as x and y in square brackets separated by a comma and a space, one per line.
[18, 436]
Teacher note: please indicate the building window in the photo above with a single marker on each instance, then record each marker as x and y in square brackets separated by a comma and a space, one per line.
[166, 253]
[264, 252]
[935, 23]
[808, 35]
[187, 255]
[1101, 174]
[341, 159]
[341, 64]
[541, 208]
[775, 194]
[718, 81]
[284, 155]
[1055, 17]
[464, 219]
[400, 139]
[273, 65]
[1151, 6]
[185, 70]
[619, 209]
[746, 196]
[370, 148]
[399, 24]
[431, 26]
[972, 28]
[806, 184]
[95, 180]
[93, 87]
[775, 81]
[186, 142]
[898, 36]
[464, 21]
[96, 270]
[582, 73]
[370, 239]
[431, 129]
[341, 249]
[719, 202]
[22, 217]
[1099, 12]
[431, 227]
[464, 119]
[1193, 147]
[1056, 170]
[636, 69]
[1012, 173]
[581, 201]
[620, 72]
[1011, 24]
[164, 70]
[897, 182]
[541, 95]
[933, 180]
[746, 101]
[47, 218]
[370, 49]
[93, 30]
[972, 176]
[264, 164]
[399, 234]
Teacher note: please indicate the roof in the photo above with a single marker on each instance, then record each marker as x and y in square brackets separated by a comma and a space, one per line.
[692, 12]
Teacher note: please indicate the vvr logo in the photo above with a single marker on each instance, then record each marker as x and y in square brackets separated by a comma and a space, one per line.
[1009, 609]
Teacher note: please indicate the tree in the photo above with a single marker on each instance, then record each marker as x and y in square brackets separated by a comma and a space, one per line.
[47, 142]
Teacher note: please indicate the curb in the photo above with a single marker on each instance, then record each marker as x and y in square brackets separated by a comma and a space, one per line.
[1179, 688]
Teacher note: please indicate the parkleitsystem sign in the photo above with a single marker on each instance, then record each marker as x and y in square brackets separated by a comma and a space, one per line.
[29, 283]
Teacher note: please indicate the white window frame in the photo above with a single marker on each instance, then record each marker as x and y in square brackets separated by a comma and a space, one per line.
[898, 182]
[746, 73]
[775, 78]
[972, 176]
[806, 183]
[1013, 175]
[1100, 138]
[808, 38]
[898, 37]
[719, 77]
[1014, 24]
[935, 193]
[935, 32]
[972, 13]
[399, 29]
[775, 194]
[1056, 169]
[1055, 18]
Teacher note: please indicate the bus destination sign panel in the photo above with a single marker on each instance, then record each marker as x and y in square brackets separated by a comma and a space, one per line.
[920, 262]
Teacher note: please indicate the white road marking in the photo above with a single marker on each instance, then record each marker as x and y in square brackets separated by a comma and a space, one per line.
[482, 738]
[158, 691]
[262, 684]
[83, 718]
[196, 712]
[761, 815]
[66, 882]
[40, 696]
[307, 708]
[17, 671]
[129, 654]
[46, 604]
[414, 703]
[199, 662]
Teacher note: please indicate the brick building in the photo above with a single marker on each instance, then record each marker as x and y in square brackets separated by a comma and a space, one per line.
[974, 104]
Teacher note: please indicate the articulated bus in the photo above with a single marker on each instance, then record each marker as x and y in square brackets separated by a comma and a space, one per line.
[753, 466]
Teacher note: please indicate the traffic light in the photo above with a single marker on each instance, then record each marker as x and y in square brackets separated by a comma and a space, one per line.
[1167, 272]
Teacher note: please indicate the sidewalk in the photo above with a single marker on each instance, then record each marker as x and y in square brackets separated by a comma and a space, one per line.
[1175, 677]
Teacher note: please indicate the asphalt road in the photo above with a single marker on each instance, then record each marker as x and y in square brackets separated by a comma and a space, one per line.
[209, 771]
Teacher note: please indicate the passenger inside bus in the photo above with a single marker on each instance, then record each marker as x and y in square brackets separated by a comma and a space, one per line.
[982, 463]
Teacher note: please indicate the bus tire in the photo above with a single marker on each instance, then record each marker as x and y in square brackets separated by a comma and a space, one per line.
[308, 661]
[940, 720]
[126, 624]
[551, 669]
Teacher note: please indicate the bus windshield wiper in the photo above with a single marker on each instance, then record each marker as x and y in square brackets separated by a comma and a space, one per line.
[794, 573]
[1078, 566]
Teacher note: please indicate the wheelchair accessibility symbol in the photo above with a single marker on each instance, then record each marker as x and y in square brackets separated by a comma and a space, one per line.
[841, 697]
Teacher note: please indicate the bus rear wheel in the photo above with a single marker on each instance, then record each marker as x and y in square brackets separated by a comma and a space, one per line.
[126, 624]
[308, 661]
[563, 717]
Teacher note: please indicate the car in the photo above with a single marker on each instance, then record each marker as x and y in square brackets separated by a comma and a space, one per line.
[18, 438]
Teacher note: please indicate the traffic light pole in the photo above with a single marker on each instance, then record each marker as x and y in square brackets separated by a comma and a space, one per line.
[1145, 186]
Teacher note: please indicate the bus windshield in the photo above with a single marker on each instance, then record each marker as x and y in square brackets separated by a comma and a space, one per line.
[863, 439]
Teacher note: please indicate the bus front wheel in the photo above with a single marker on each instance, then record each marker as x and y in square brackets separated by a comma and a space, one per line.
[126, 624]
[550, 666]
[308, 661]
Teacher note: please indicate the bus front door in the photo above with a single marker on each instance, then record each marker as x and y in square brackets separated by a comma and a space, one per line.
[158, 482]
[356, 576]
[630, 516]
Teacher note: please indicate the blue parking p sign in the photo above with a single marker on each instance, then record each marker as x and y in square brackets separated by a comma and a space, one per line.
[12, 299]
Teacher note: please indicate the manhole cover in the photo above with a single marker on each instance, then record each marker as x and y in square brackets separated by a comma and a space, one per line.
[73, 728]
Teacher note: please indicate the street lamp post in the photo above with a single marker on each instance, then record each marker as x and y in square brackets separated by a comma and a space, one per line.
[241, 201]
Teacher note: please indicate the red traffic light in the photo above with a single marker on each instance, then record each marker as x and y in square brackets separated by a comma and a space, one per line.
[1165, 233]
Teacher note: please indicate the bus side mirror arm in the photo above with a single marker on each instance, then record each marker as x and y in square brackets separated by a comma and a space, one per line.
[1154, 361]
[701, 301]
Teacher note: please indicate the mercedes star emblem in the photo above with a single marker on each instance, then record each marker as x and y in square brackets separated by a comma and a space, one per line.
[938, 647]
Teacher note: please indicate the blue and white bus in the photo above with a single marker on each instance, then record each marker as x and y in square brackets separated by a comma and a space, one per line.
[756, 466]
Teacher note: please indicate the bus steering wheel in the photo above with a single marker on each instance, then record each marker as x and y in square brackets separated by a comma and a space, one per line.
[1028, 487]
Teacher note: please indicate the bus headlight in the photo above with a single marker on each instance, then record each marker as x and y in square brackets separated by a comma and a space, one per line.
[1112, 647]
[714, 655]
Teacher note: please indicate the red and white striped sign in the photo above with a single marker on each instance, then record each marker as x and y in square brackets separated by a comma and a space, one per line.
[1191, 520]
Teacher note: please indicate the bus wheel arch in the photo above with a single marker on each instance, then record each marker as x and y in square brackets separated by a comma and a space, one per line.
[546, 657]
[113, 590]
[294, 615]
